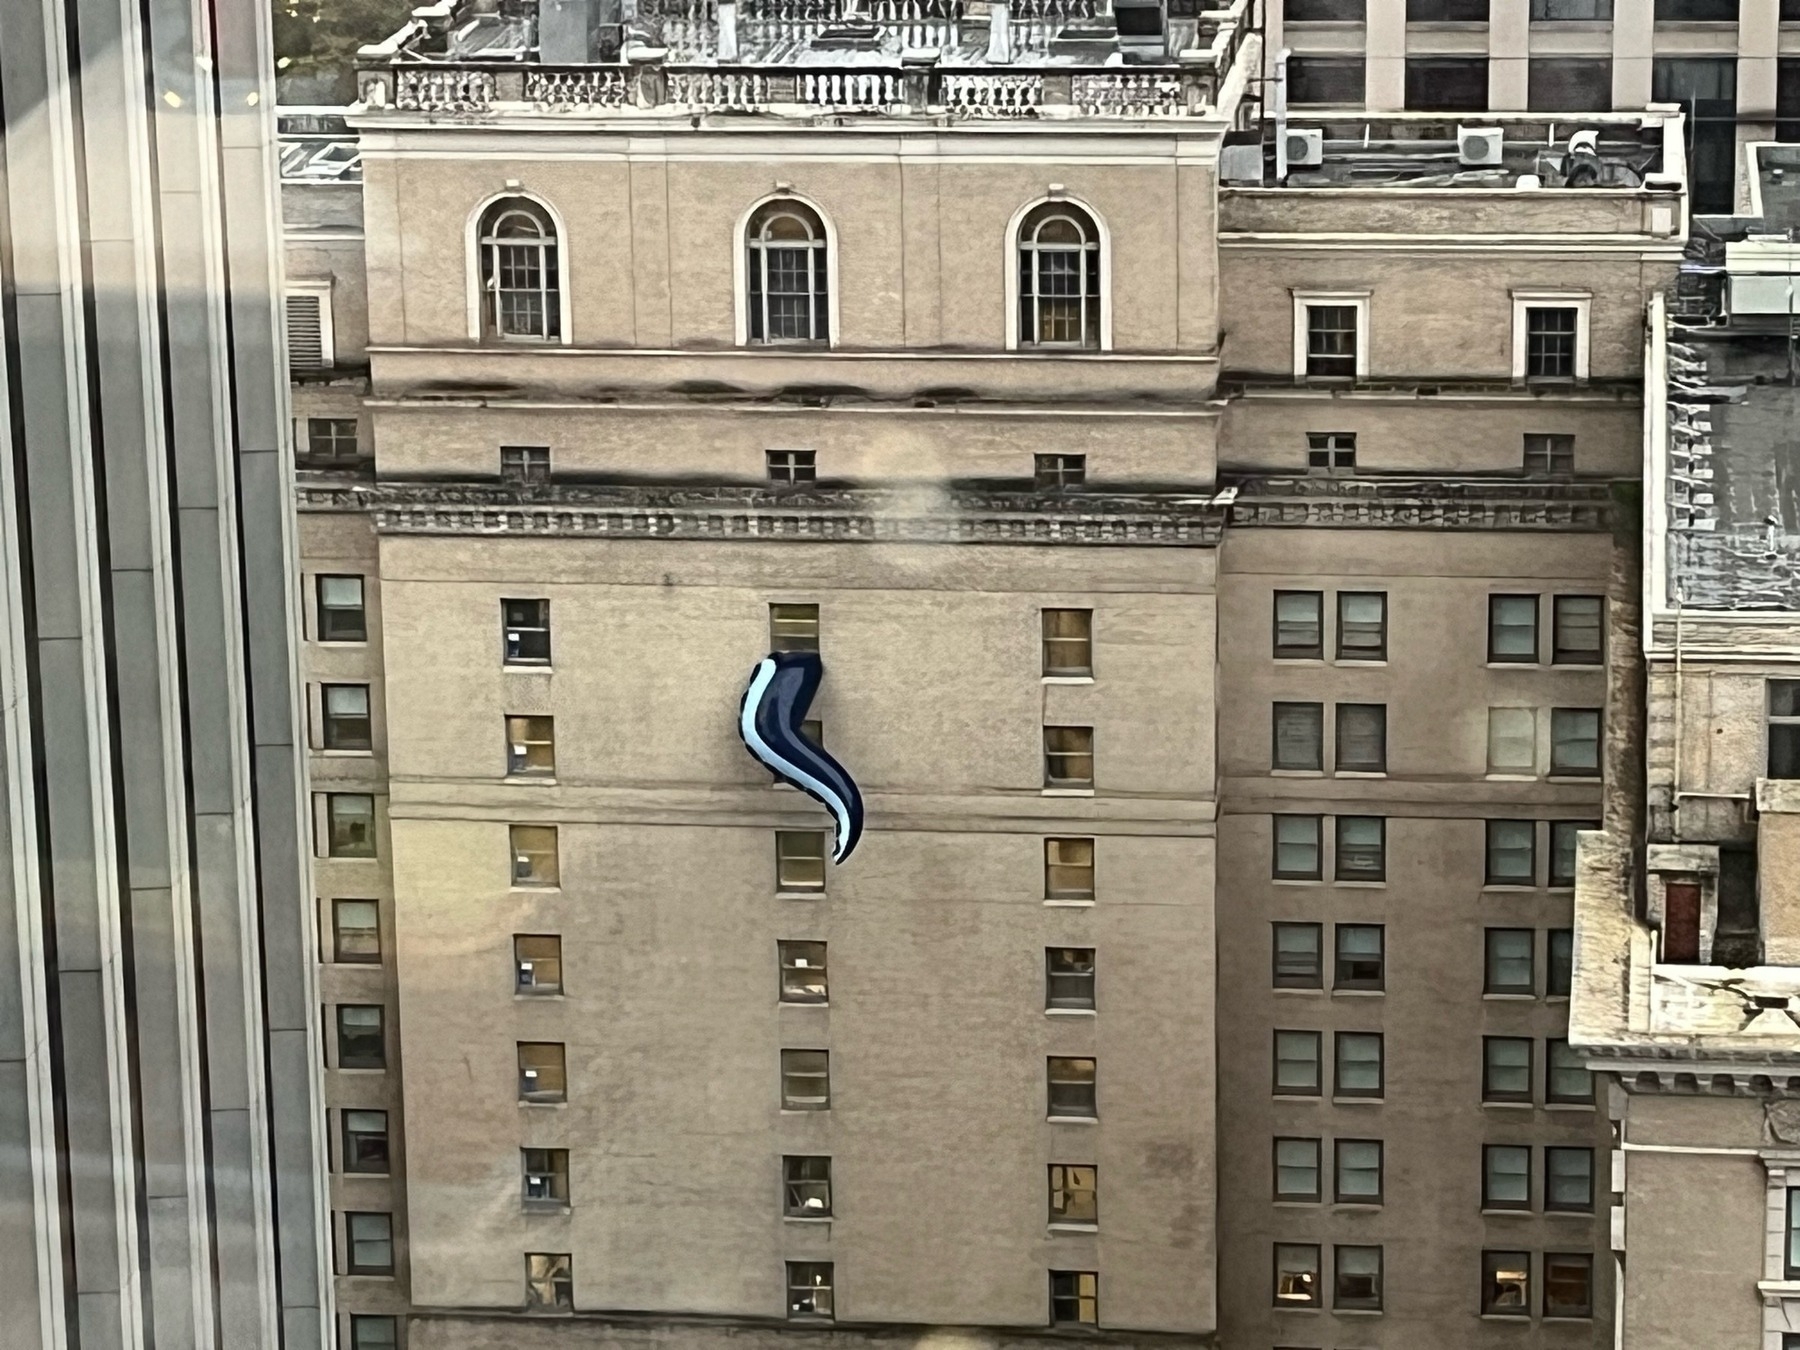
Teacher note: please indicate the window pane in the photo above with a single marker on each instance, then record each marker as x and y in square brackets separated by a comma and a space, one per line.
[1550, 337]
[1359, 1171]
[1577, 638]
[1563, 843]
[1549, 10]
[1358, 1279]
[349, 825]
[1068, 869]
[1446, 84]
[1568, 1284]
[355, 931]
[1296, 1275]
[1569, 1179]
[1560, 961]
[1511, 852]
[361, 1044]
[1568, 1078]
[1069, 975]
[1068, 642]
[1362, 626]
[1297, 1169]
[1325, 80]
[799, 860]
[1506, 1069]
[1512, 740]
[340, 617]
[365, 1147]
[1297, 1063]
[1575, 741]
[804, 977]
[1361, 848]
[1299, 735]
[805, 1080]
[1297, 847]
[1361, 738]
[530, 746]
[373, 1333]
[1509, 961]
[794, 628]
[1506, 1283]
[1568, 84]
[1071, 1087]
[807, 1187]
[525, 630]
[1512, 628]
[1331, 341]
[1299, 624]
[1506, 1177]
[1359, 956]
[1069, 757]
[1358, 1064]
[1298, 961]
[370, 1239]
[534, 855]
[1073, 1197]
[1074, 1298]
[542, 1076]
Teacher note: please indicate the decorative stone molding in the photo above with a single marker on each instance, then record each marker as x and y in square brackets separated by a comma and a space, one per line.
[1422, 504]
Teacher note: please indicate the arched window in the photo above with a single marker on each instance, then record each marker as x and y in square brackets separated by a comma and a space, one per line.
[521, 291]
[1059, 277]
[787, 297]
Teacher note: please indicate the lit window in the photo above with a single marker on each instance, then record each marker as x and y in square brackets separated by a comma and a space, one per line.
[1362, 626]
[365, 1141]
[549, 1281]
[525, 463]
[1296, 1275]
[1069, 977]
[1506, 1284]
[805, 1080]
[1071, 1088]
[349, 825]
[1549, 455]
[1074, 1298]
[370, 1240]
[791, 466]
[1566, 1078]
[1055, 472]
[537, 963]
[1361, 848]
[1358, 1172]
[1511, 852]
[361, 1043]
[787, 271]
[1331, 341]
[543, 1075]
[1358, 1285]
[1509, 961]
[1360, 958]
[1059, 278]
[793, 628]
[1512, 740]
[1069, 757]
[346, 708]
[340, 615]
[1506, 1176]
[1068, 642]
[1560, 962]
[525, 626]
[1784, 728]
[1505, 1069]
[1576, 630]
[1297, 1170]
[534, 856]
[530, 747]
[373, 1333]
[1575, 741]
[331, 437]
[1569, 1179]
[546, 1172]
[806, 1187]
[355, 932]
[1299, 736]
[1563, 843]
[1297, 1064]
[1359, 1067]
[1512, 629]
[1331, 452]
[1073, 1198]
[799, 861]
[809, 1291]
[1298, 963]
[803, 973]
[1361, 738]
[1568, 1284]
[1068, 869]
[519, 281]
[1299, 625]
[1297, 847]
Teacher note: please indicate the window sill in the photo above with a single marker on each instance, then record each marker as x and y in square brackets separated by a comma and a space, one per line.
[1071, 1012]
[799, 895]
[1296, 1096]
[1508, 887]
[1313, 990]
[1556, 998]
[1073, 1227]
[544, 1206]
[1514, 665]
[341, 642]
[1358, 993]
[1298, 1308]
[1291, 661]
[1355, 884]
[1357, 1312]
[1568, 1213]
[373, 1176]
[1520, 1317]
[1296, 773]
[801, 1003]
[526, 1101]
[1509, 998]
[1510, 778]
[1357, 1101]
[1586, 1108]
[1359, 773]
[360, 1068]
[1569, 1319]
[1594, 777]
[1072, 1120]
[536, 888]
[1488, 1211]
[329, 753]
[1298, 881]
[1361, 663]
[1067, 792]
[1508, 1106]
[535, 667]
[1068, 679]
[805, 1110]
[1068, 904]
[824, 1219]
[1354, 1206]
[548, 995]
[548, 779]
[1296, 1204]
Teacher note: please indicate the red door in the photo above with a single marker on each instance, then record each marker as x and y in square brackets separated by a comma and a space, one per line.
[1681, 922]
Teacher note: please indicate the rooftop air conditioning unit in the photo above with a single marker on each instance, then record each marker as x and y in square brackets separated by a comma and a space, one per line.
[1479, 146]
[1305, 147]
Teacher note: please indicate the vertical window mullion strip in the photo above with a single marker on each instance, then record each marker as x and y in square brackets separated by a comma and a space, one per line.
[755, 256]
[821, 294]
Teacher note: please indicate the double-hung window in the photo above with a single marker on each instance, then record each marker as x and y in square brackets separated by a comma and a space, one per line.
[1550, 336]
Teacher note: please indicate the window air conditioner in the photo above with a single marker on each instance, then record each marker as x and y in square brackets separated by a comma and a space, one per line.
[1305, 147]
[530, 1079]
[1479, 146]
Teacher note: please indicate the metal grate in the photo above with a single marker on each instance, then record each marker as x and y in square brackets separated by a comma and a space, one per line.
[305, 333]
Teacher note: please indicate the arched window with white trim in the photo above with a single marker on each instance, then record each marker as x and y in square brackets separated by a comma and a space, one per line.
[521, 295]
[786, 270]
[1059, 277]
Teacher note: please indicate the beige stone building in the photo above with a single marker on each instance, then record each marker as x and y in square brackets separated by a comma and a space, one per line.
[1210, 581]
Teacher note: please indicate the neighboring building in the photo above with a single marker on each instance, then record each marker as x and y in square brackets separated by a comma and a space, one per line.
[161, 1182]
[1733, 65]
[676, 361]
[1687, 924]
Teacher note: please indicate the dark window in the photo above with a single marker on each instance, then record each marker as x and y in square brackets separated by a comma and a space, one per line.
[1549, 454]
[791, 466]
[369, 1239]
[1360, 960]
[1447, 84]
[1568, 1284]
[806, 1187]
[1566, 1078]
[521, 295]
[804, 975]
[1361, 848]
[543, 1072]
[1512, 628]
[1446, 11]
[1791, 1260]
[1059, 471]
[1569, 1180]
[1358, 1064]
[546, 1175]
[1562, 849]
[1568, 84]
[1325, 11]
[1577, 630]
[1298, 962]
[1299, 625]
[1358, 1172]
[1331, 341]
[346, 716]
[1296, 1275]
[1784, 728]
[1506, 1176]
[1511, 853]
[1706, 89]
[1575, 742]
[549, 1281]
[1702, 11]
[1059, 278]
[1069, 757]
[1362, 626]
[1550, 335]
[1299, 734]
[1681, 923]
[365, 1141]
[331, 437]
[805, 1080]
[525, 625]
[373, 1333]
[1068, 977]
[340, 617]
[1297, 1064]
[1790, 11]
[1331, 452]
[1074, 1194]
[525, 463]
[1550, 11]
[1505, 1069]
[1787, 86]
[793, 628]
[1357, 1272]
[1509, 964]
[1071, 1087]
[349, 825]
[360, 1042]
[1068, 869]
[1361, 738]
[786, 274]
[1074, 1298]
[1297, 847]
[355, 932]
[1069, 642]
[1506, 1284]
[1559, 961]
[1325, 80]
[1297, 1170]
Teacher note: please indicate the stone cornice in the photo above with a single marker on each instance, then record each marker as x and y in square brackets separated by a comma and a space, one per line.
[821, 515]
[1416, 503]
